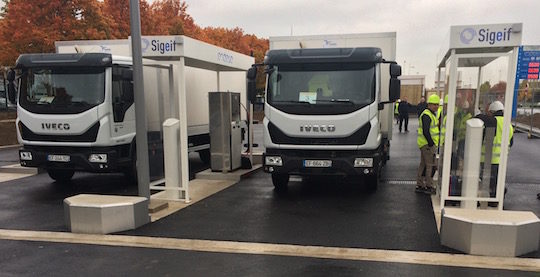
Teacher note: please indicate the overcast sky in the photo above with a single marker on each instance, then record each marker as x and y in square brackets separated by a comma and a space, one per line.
[421, 25]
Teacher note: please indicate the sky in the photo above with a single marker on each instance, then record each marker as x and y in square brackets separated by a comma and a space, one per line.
[421, 25]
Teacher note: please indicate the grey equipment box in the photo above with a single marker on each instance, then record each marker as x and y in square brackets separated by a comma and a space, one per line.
[225, 131]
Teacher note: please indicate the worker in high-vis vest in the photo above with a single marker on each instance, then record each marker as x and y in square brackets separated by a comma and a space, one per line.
[428, 141]
[496, 112]
[396, 111]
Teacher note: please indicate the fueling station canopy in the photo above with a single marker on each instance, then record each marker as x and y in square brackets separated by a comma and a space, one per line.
[176, 53]
[473, 46]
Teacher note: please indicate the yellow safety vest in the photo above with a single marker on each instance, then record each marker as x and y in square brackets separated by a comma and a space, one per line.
[396, 111]
[496, 150]
[462, 127]
[433, 129]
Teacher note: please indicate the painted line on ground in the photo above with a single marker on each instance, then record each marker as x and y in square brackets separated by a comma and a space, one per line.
[253, 248]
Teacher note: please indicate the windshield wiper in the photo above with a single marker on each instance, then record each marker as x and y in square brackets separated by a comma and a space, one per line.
[348, 101]
[292, 102]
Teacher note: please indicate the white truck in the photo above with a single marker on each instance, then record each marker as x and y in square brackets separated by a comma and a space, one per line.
[325, 111]
[76, 110]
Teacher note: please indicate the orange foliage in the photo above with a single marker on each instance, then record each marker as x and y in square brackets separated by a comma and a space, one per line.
[34, 26]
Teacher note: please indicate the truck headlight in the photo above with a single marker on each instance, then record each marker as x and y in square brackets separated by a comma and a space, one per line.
[273, 160]
[98, 158]
[363, 162]
[25, 156]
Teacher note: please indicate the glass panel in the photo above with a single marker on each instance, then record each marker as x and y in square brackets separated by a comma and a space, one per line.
[470, 175]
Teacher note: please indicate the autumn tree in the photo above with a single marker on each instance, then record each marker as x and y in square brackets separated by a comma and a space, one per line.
[34, 26]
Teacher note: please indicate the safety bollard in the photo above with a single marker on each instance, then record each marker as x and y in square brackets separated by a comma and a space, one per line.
[471, 162]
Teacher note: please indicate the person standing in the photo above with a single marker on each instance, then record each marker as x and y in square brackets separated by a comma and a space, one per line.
[403, 110]
[428, 141]
[495, 119]
[422, 105]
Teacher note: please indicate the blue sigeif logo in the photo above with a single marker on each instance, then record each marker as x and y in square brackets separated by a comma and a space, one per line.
[467, 35]
[144, 44]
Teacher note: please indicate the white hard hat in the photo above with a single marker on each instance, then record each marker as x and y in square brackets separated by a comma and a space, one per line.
[496, 106]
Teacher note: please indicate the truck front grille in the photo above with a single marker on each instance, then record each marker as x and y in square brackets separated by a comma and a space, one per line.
[88, 136]
[357, 138]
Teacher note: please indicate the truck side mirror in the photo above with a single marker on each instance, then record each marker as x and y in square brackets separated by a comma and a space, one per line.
[395, 70]
[12, 92]
[395, 89]
[252, 84]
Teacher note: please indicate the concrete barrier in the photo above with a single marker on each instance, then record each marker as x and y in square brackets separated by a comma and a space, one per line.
[490, 232]
[104, 214]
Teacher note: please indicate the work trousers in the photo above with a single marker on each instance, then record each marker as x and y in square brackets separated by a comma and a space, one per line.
[427, 163]
[404, 118]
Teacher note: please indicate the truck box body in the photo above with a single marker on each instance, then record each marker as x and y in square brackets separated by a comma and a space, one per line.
[322, 105]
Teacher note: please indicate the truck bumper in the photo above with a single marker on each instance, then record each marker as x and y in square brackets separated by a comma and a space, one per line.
[78, 158]
[342, 162]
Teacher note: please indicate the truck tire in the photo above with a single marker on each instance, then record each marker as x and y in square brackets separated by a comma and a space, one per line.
[204, 155]
[60, 175]
[280, 181]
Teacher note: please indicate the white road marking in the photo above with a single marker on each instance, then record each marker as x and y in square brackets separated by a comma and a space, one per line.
[355, 254]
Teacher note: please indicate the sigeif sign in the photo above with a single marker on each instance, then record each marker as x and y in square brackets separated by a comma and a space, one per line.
[491, 35]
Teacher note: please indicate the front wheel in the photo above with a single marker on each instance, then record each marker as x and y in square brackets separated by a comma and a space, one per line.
[61, 175]
[280, 181]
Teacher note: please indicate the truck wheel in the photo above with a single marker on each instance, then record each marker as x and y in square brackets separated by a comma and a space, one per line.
[205, 156]
[371, 182]
[280, 181]
[60, 175]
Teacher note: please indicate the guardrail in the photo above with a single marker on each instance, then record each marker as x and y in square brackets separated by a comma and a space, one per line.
[530, 130]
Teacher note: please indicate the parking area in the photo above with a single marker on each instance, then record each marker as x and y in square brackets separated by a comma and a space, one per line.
[320, 227]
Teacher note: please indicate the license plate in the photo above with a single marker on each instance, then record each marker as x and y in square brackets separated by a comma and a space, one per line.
[317, 163]
[58, 158]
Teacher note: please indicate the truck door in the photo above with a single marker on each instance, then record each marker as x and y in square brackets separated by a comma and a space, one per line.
[123, 108]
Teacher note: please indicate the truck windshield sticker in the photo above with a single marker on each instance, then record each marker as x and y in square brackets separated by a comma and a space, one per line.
[310, 97]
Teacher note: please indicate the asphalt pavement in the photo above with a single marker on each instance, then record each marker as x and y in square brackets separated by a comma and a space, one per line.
[325, 212]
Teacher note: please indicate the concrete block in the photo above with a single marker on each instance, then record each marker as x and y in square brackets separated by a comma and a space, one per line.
[104, 214]
[490, 232]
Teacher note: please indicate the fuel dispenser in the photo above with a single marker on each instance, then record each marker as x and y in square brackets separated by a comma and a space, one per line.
[225, 131]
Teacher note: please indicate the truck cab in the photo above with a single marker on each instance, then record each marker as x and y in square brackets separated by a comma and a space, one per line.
[76, 113]
[323, 113]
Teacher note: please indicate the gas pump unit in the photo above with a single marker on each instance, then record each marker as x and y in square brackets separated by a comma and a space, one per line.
[225, 131]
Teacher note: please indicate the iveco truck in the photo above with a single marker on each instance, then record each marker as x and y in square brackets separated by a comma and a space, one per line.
[325, 111]
[76, 113]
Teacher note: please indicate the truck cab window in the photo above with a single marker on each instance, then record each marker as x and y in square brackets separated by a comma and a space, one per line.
[122, 91]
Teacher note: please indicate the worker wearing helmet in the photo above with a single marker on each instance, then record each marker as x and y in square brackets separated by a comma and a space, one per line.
[494, 119]
[428, 141]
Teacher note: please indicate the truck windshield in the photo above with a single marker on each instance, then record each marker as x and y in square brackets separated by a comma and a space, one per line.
[321, 88]
[62, 90]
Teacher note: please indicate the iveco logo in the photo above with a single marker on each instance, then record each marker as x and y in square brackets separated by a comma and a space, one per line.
[55, 126]
[317, 128]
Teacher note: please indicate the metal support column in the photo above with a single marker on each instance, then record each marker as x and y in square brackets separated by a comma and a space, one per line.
[508, 99]
[452, 86]
[182, 110]
[143, 174]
